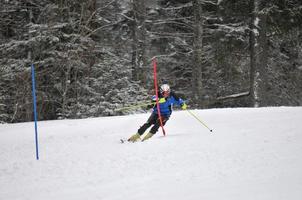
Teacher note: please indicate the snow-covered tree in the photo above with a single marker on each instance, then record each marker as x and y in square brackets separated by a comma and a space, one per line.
[92, 58]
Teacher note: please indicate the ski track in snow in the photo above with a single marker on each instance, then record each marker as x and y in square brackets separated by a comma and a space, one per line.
[252, 154]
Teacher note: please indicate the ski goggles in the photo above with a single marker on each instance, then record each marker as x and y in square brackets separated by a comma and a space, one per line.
[165, 93]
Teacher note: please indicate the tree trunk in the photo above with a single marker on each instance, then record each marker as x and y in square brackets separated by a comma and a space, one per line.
[258, 55]
[139, 41]
[28, 98]
[263, 65]
[197, 87]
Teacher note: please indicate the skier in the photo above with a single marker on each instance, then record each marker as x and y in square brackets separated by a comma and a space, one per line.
[166, 99]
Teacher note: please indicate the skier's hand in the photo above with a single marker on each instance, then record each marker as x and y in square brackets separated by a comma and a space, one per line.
[184, 106]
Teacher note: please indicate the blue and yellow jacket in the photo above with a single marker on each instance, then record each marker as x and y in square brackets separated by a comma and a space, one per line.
[166, 104]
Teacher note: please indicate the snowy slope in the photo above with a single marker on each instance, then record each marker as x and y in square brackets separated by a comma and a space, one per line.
[253, 154]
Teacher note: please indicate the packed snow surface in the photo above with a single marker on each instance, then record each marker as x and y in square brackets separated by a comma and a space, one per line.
[252, 154]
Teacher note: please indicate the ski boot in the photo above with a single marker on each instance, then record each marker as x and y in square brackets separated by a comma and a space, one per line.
[134, 138]
[149, 135]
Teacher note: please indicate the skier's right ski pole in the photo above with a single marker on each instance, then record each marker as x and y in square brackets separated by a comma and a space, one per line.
[135, 106]
[199, 120]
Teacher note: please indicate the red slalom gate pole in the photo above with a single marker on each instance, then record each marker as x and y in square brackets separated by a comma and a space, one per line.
[156, 94]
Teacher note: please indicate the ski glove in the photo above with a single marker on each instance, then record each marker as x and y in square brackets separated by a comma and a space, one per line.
[184, 106]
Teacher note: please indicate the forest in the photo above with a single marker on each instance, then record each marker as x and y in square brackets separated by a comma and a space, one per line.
[93, 58]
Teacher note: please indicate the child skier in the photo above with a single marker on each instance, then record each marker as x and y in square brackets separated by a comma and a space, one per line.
[166, 99]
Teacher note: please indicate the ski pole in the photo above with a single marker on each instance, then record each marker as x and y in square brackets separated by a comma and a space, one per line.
[134, 106]
[199, 120]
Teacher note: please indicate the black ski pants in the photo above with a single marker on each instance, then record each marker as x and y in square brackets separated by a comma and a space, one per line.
[153, 120]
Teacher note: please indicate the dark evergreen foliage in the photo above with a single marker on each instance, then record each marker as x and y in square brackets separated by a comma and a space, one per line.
[94, 57]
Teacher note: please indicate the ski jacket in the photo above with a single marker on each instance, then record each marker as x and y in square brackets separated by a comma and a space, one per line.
[166, 104]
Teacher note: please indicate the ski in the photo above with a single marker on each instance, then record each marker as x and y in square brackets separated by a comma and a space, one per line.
[123, 140]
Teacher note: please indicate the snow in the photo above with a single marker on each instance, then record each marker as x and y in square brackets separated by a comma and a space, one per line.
[256, 24]
[252, 154]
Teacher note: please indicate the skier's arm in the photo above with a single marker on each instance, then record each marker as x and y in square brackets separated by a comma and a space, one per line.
[179, 101]
[161, 99]
[152, 102]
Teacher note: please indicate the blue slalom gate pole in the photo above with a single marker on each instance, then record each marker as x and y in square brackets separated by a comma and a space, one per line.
[35, 108]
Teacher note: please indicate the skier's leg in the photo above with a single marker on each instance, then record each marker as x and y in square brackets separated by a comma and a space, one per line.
[152, 120]
[154, 129]
[143, 128]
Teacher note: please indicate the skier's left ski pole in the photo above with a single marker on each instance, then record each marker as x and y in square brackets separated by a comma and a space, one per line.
[200, 120]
